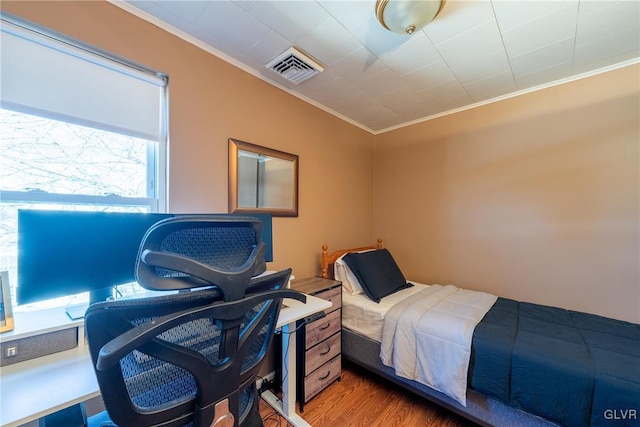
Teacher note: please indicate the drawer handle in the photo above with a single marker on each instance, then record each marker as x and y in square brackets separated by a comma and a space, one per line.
[322, 353]
[325, 377]
[325, 326]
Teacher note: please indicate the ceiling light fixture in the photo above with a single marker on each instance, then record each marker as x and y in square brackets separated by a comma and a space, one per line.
[406, 16]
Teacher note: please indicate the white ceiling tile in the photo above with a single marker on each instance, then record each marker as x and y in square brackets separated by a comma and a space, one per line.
[341, 109]
[245, 4]
[233, 25]
[155, 9]
[452, 103]
[339, 90]
[228, 48]
[429, 76]
[292, 19]
[415, 112]
[358, 101]
[557, 53]
[625, 43]
[452, 89]
[598, 23]
[231, 50]
[511, 14]
[471, 45]
[542, 76]
[481, 67]
[386, 123]
[329, 41]
[320, 87]
[382, 83]
[402, 98]
[415, 53]
[359, 65]
[620, 60]
[349, 13]
[558, 25]
[458, 16]
[491, 87]
[373, 113]
[269, 47]
[190, 11]
[322, 80]
[599, 6]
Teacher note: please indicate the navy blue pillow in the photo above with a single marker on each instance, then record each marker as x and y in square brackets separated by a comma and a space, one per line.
[377, 272]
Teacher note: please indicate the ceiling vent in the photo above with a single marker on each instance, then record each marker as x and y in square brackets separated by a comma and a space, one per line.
[295, 66]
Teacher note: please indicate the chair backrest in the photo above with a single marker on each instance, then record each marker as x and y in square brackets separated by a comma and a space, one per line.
[186, 252]
[188, 358]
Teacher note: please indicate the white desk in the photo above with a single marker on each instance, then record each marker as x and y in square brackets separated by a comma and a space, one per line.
[294, 311]
[38, 387]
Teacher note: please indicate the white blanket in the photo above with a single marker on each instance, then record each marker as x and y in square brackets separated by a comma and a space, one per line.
[427, 337]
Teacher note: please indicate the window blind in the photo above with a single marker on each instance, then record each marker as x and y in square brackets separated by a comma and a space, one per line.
[46, 76]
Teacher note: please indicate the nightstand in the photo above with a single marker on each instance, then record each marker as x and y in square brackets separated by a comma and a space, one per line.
[319, 346]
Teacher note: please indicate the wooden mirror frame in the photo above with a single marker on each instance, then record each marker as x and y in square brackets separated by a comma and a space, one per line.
[234, 147]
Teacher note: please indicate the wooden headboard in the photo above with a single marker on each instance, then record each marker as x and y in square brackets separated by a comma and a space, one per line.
[329, 258]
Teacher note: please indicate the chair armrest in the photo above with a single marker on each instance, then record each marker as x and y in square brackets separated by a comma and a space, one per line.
[136, 337]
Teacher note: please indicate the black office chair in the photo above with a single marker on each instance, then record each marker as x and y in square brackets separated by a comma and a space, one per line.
[189, 358]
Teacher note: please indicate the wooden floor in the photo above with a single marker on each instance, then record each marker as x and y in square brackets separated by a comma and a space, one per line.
[362, 399]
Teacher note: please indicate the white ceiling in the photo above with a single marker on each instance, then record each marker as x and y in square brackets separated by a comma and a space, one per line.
[472, 53]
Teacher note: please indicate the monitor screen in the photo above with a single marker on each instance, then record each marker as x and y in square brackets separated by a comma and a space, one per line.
[63, 253]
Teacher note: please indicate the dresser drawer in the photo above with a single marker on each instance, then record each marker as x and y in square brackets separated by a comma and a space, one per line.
[320, 346]
[322, 377]
[334, 295]
[321, 353]
[322, 328]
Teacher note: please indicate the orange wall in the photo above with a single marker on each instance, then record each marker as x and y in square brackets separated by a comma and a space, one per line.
[210, 101]
[534, 198]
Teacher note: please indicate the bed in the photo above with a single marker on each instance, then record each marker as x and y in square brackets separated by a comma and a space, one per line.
[526, 364]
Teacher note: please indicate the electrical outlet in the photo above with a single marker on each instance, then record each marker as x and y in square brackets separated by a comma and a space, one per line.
[11, 351]
[266, 383]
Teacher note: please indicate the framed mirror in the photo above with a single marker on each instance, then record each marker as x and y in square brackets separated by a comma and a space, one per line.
[262, 180]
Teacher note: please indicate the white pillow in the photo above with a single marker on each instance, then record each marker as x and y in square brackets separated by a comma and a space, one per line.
[343, 273]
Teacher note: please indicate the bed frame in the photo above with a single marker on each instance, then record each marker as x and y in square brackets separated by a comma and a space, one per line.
[365, 352]
[328, 259]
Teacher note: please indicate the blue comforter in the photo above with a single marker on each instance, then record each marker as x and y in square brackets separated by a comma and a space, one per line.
[571, 368]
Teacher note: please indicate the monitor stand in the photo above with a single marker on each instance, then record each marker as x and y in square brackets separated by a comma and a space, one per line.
[76, 312]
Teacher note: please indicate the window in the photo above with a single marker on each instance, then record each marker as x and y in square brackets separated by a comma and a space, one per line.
[79, 129]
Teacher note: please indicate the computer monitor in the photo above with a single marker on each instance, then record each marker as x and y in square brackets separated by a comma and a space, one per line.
[63, 253]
